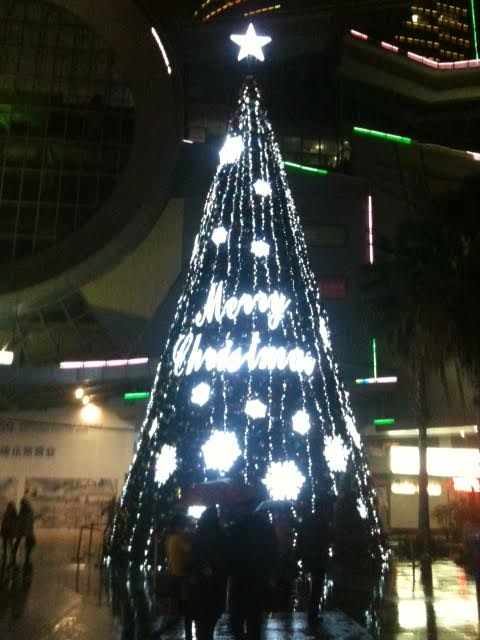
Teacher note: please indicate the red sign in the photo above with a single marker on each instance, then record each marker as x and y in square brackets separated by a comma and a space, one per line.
[333, 288]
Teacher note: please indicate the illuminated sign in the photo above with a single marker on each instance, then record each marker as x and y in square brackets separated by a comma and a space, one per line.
[467, 485]
[441, 461]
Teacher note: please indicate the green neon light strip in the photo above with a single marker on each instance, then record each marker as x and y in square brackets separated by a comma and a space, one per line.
[384, 422]
[374, 355]
[380, 134]
[136, 395]
[302, 167]
[474, 28]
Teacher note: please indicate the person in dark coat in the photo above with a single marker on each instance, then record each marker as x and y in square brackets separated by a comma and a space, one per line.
[207, 582]
[25, 520]
[252, 558]
[349, 531]
[8, 530]
[315, 539]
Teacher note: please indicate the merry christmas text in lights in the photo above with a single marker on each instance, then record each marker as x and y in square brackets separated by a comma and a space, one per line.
[216, 308]
[190, 356]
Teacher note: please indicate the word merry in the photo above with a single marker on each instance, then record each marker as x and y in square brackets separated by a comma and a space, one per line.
[273, 305]
[189, 357]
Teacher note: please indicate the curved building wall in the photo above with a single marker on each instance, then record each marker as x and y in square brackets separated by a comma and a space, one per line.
[138, 145]
[66, 126]
[90, 120]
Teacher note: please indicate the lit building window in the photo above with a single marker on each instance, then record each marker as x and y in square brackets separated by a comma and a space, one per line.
[444, 462]
[409, 488]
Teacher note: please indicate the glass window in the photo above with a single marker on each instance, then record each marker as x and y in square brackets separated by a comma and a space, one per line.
[73, 112]
[292, 144]
[327, 235]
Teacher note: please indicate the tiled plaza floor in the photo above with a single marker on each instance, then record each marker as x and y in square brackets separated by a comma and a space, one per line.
[55, 602]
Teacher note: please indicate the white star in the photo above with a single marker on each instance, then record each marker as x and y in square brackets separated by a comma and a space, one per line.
[219, 235]
[231, 150]
[250, 44]
[260, 248]
[262, 188]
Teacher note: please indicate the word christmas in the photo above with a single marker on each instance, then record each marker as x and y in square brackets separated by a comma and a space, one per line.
[273, 305]
[188, 356]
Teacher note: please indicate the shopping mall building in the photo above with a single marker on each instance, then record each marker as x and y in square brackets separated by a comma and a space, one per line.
[111, 118]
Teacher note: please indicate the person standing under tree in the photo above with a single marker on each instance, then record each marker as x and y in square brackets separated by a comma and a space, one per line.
[26, 518]
[207, 582]
[314, 541]
[253, 553]
[8, 531]
[178, 550]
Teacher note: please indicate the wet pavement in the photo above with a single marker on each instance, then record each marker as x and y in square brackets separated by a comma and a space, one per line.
[55, 600]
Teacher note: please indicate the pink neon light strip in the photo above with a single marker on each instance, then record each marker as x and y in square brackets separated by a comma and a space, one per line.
[389, 47]
[475, 156]
[370, 229]
[96, 364]
[426, 61]
[441, 66]
[357, 34]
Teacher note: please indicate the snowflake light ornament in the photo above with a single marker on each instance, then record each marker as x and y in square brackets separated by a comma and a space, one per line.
[336, 453]
[219, 235]
[166, 464]
[283, 480]
[262, 188]
[301, 422]
[221, 450]
[260, 248]
[231, 150]
[255, 408]
[201, 394]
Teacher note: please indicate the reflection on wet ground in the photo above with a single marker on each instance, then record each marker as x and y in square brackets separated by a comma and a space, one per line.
[54, 602]
[447, 611]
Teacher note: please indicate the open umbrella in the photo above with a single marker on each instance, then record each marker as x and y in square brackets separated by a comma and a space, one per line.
[213, 492]
[274, 505]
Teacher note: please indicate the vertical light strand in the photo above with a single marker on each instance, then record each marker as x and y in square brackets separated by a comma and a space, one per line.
[474, 27]
[370, 230]
[374, 357]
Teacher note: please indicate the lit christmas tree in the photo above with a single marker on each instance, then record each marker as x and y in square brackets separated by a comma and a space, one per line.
[247, 388]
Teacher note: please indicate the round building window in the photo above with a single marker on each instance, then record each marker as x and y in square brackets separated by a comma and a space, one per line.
[66, 126]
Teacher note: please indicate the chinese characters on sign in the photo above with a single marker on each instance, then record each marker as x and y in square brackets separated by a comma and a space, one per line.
[26, 451]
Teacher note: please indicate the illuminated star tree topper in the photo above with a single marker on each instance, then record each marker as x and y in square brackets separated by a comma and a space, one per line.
[251, 44]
